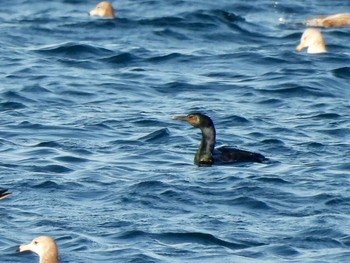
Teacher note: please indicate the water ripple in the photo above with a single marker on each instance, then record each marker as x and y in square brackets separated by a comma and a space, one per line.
[91, 155]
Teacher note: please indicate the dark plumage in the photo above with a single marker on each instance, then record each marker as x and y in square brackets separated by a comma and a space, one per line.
[206, 154]
[3, 193]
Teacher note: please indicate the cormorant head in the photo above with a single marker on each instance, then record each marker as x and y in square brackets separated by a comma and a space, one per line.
[196, 119]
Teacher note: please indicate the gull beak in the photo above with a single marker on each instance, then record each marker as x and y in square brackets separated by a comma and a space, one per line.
[299, 47]
[93, 13]
[23, 248]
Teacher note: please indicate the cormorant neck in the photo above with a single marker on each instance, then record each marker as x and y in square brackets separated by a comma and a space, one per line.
[204, 154]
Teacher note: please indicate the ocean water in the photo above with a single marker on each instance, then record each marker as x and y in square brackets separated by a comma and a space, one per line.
[93, 159]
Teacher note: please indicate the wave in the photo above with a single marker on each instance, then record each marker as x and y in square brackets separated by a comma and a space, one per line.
[74, 50]
[189, 237]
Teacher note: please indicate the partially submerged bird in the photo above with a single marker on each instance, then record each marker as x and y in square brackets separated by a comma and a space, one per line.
[44, 246]
[336, 20]
[4, 193]
[312, 40]
[103, 9]
[206, 154]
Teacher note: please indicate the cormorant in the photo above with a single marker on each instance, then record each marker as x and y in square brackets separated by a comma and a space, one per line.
[206, 155]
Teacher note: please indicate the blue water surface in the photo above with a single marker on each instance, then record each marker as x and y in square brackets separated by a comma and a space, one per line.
[93, 159]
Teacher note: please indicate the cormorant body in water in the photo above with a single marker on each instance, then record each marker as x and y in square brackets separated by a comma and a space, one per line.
[3, 193]
[206, 154]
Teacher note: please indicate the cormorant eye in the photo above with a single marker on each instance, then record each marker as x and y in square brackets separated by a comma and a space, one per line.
[192, 118]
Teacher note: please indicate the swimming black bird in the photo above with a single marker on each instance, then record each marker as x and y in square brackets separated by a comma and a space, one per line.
[3, 193]
[206, 155]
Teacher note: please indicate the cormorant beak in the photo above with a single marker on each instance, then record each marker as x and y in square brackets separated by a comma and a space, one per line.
[180, 118]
